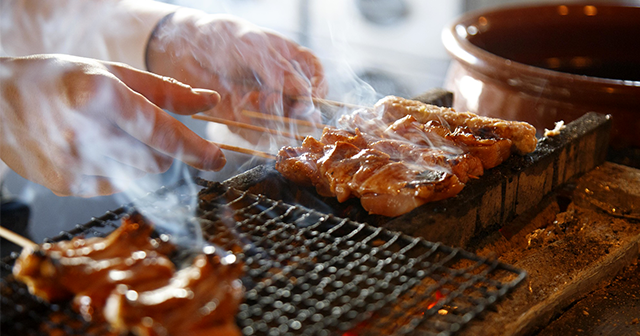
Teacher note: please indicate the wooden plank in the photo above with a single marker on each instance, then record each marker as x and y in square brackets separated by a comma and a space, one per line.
[611, 310]
[581, 284]
[581, 250]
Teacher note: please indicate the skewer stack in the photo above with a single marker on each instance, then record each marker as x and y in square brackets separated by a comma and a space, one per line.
[435, 96]
[271, 118]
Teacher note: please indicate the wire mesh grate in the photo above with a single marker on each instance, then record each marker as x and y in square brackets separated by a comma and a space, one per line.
[309, 273]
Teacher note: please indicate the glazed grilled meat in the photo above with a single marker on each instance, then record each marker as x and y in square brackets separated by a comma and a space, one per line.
[102, 275]
[391, 108]
[201, 299]
[402, 154]
[79, 267]
[391, 177]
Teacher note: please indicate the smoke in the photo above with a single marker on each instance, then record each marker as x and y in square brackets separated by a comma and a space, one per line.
[76, 140]
[61, 134]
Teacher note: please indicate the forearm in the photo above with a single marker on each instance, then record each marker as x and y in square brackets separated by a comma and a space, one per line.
[112, 30]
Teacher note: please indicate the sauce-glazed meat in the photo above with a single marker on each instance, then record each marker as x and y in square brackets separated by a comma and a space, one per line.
[391, 177]
[401, 154]
[74, 268]
[105, 272]
[391, 108]
[201, 299]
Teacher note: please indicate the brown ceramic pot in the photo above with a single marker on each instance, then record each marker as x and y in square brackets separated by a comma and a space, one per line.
[547, 63]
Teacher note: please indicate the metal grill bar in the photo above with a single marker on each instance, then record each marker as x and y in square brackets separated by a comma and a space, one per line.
[345, 271]
[309, 273]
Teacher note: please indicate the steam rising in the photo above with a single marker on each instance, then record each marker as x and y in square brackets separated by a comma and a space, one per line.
[78, 134]
[56, 139]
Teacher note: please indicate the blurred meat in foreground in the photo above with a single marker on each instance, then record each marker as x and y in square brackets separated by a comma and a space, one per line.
[402, 153]
[128, 280]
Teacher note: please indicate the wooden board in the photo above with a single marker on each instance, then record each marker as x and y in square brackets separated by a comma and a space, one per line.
[611, 310]
[581, 249]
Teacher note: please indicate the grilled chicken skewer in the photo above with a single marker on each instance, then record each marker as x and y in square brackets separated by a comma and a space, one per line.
[391, 108]
[402, 153]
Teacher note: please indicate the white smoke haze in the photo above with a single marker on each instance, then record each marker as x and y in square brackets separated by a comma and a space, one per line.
[73, 144]
[103, 152]
[69, 136]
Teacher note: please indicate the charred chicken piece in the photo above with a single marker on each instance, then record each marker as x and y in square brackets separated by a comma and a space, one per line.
[201, 299]
[91, 272]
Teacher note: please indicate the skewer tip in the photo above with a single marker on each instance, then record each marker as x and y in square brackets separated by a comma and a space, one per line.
[16, 238]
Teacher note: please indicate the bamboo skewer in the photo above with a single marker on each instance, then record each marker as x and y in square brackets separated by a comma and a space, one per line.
[264, 116]
[246, 126]
[245, 150]
[252, 84]
[299, 122]
[16, 238]
[322, 101]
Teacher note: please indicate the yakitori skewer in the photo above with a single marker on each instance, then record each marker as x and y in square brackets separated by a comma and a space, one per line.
[245, 151]
[247, 126]
[15, 238]
[292, 121]
[286, 120]
[322, 101]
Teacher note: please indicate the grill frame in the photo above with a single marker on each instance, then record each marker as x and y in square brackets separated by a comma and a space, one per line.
[375, 298]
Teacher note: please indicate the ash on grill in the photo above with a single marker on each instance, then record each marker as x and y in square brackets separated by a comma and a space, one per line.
[309, 273]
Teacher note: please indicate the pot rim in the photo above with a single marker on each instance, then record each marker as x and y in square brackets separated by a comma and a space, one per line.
[526, 77]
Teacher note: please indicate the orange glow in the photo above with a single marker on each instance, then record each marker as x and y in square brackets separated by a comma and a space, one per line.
[580, 62]
[482, 21]
[553, 62]
[563, 10]
[438, 297]
[590, 10]
[359, 327]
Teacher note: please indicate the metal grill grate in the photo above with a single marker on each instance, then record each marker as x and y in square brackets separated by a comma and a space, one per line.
[308, 273]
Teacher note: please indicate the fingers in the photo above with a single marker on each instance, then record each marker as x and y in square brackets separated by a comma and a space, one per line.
[279, 74]
[92, 186]
[304, 61]
[152, 126]
[127, 156]
[166, 92]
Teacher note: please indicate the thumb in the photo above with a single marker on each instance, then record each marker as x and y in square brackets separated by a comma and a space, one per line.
[166, 92]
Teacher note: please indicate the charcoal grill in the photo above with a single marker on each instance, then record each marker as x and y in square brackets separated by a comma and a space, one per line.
[307, 273]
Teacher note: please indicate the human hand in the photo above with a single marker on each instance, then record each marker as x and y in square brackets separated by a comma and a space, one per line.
[251, 68]
[85, 127]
